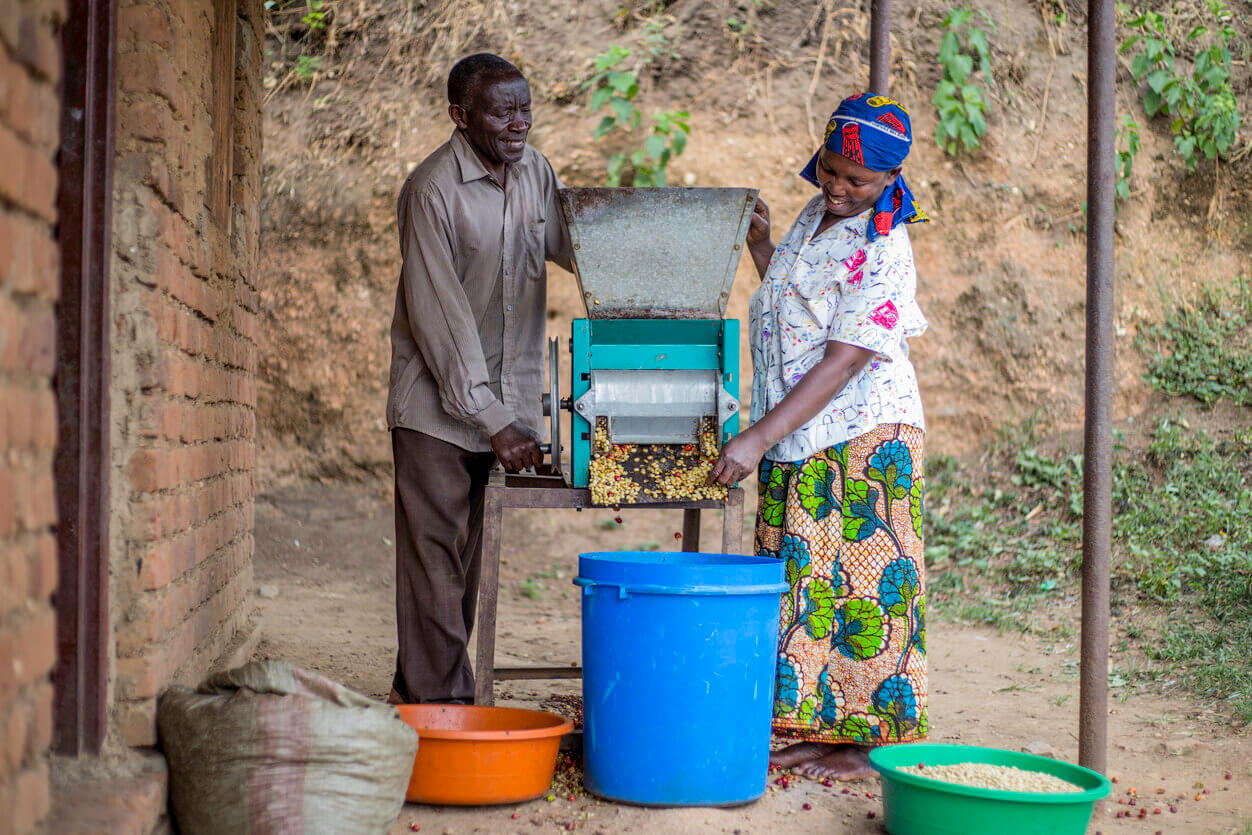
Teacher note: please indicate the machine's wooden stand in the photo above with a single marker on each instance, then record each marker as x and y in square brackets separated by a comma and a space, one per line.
[538, 492]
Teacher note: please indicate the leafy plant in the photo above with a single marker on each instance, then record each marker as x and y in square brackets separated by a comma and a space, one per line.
[616, 88]
[1128, 146]
[306, 65]
[315, 17]
[961, 101]
[314, 14]
[1201, 105]
[657, 42]
[666, 137]
[1203, 350]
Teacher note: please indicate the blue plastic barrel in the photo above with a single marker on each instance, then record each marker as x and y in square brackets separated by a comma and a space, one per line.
[678, 675]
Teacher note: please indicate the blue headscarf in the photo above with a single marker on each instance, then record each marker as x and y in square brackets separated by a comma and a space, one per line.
[875, 132]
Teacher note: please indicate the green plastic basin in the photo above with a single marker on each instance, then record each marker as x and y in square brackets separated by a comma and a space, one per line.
[915, 804]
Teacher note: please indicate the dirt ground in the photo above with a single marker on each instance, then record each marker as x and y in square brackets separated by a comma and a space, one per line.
[324, 568]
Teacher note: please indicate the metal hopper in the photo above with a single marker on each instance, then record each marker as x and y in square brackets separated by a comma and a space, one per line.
[657, 253]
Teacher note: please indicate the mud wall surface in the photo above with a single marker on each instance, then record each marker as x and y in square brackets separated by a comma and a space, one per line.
[30, 64]
[184, 349]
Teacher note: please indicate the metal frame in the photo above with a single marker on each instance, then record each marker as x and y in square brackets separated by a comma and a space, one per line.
[509, 491]
[81, 465]
[1099, 386]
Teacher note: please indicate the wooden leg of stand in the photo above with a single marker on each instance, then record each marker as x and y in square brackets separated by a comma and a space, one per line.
[691, 530]
[488, 592]
[732, 523]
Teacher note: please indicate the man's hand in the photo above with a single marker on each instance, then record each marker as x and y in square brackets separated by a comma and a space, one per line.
[517, 447]
[738, 458]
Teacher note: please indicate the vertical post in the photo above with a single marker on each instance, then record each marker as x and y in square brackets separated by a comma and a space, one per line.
[732, 523]
[488, 595]
[1097, 446]
[691, 529]
[219, 169]
[879, 46]
[84, 214]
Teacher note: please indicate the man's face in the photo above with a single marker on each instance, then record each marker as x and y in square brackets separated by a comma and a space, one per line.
[496, 118]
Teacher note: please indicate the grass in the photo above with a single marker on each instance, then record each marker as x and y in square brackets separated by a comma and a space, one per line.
[1204, 350]
[1182, 526]
[533, 587]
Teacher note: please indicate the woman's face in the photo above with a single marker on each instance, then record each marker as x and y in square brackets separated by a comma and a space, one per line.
[850, 189]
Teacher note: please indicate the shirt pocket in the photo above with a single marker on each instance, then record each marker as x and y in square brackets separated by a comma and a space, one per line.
[534, 246]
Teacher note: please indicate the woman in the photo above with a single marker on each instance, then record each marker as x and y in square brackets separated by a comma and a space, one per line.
[837, 428]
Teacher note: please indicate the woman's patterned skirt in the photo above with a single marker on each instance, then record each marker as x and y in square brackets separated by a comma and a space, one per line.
[852, 642]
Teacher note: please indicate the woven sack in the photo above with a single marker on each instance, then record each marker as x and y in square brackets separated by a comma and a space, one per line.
[270, 749]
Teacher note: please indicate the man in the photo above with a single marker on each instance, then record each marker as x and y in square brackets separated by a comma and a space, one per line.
[478, 218]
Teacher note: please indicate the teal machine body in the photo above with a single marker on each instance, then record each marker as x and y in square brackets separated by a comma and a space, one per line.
[655, 356]
[693, 357]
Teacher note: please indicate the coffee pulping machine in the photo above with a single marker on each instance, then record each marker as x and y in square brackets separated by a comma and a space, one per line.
[654, 365]
[654, 380]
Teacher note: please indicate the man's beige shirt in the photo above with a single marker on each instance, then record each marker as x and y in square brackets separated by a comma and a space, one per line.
[467, 340]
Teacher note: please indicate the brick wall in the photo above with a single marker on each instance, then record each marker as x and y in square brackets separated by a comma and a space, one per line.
[29, 69]
[184, 350]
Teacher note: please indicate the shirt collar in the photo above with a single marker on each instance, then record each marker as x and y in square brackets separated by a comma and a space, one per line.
[817, 208]
[472, 167]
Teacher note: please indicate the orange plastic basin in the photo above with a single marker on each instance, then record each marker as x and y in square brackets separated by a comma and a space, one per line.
[478, 756]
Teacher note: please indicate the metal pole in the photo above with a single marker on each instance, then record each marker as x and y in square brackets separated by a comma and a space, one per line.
[82, 464]
[1097, 446]
[879, 46]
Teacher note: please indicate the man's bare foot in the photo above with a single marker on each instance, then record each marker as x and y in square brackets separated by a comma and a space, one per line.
[798, 753]
[393, 698]
[845, 762]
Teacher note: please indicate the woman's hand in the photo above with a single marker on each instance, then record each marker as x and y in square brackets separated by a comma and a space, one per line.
[759, 244]
[758, 230]
[738, 458]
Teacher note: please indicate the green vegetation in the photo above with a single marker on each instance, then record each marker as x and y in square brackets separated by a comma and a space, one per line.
[313, 15]
[961, 101]
[1128, 146]
[665, 137]
[1201, 104]
[533, 587]
[1204, 350]
[306, 65]
[1182, 541]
